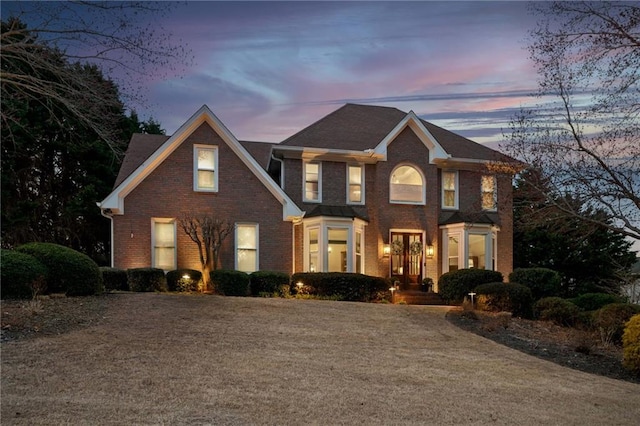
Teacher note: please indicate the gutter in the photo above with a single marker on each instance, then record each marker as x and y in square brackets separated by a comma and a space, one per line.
[110, 217]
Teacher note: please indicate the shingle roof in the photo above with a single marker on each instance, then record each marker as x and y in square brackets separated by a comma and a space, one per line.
[140, 148]
[335, 211]
[351, 127]
[360, 127]
[260, 151]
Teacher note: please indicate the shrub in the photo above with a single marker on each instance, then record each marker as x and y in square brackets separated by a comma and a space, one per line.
[595, 301]
[146, 279]
[21, 275]
[610, 321]
[511, 297]
[340, 285]
[114, 278]
[455, 286]
[556, 309]
[184, 280]
[270, 282]
[631, 345]
[68, 271]
[230, 283]
[542, 282]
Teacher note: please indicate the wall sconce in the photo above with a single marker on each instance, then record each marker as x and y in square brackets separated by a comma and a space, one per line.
[386, 250]
[430, 251]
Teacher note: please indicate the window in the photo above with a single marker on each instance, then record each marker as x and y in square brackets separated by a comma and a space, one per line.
[406, 186]
[312, 182]
[355, 184]
[205, 176]
[449, 190]
[333, 245]
[163, 237]
[358, 252]
[337, 249]
[489, 196]
[313, 250]
[247, 247]
[469, 246]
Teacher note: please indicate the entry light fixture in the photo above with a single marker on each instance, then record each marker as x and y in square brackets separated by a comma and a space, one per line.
[430, 251]
[386, 250]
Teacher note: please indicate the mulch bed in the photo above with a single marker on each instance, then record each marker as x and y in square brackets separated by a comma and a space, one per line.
[578, 349]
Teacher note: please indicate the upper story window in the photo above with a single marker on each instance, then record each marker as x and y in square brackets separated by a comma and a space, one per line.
[449, 190]
[355, 184]
[205, 168]
[489, 192]
[312, 191]
[406, 186]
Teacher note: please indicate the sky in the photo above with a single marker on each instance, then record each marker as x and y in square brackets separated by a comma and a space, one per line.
[269, 69]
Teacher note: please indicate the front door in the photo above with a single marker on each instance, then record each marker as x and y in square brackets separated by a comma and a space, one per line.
[406, 259]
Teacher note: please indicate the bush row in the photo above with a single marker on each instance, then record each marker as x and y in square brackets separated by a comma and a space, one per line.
[511, 297]
[36, 268]
[339, 285]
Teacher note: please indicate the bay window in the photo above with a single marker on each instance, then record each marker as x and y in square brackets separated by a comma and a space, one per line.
[333, 245]
[469, 246]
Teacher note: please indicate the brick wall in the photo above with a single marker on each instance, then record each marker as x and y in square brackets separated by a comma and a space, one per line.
[168, 192]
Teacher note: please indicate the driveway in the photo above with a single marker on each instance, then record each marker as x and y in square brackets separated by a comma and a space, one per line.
[177, 359]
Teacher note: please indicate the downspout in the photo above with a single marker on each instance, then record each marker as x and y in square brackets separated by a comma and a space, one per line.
[102, 212]
[281, 169]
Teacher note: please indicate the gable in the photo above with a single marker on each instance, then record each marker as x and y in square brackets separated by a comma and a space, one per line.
[115, 201]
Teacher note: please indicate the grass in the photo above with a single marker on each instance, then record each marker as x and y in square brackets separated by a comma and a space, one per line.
[179, 359]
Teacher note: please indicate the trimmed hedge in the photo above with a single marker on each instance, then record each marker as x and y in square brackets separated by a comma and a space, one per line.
[631, 345]
[69, 271]
[543, 282]
[511, 297]
[610, 321]
[270, 282]
[19, 274]
[230, 282]
[146, 279]
[341, 285]
[595, 301]
[114, 278]
[556, 309]
[177, 280]
[455, 286]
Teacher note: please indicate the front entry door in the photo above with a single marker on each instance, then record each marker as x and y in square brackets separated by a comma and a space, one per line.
[406, 259]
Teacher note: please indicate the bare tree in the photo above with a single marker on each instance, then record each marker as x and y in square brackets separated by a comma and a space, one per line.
[586, 141]
[208, 232]
[121, 38]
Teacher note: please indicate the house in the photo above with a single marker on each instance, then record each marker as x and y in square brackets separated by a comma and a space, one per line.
[365, 189]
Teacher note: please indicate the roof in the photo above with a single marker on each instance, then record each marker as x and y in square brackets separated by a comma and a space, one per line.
[260, 151]
[362, 127]
[335, 211]
[141, 146]
[448, 218]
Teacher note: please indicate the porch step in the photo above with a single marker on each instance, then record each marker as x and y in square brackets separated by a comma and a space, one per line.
[418, 298]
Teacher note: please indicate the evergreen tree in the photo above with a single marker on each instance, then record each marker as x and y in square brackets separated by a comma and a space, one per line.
[589, 257]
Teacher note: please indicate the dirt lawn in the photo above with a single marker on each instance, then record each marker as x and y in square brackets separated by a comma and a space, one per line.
[177, 359]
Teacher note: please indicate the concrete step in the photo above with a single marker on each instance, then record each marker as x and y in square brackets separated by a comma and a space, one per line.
[418, 298]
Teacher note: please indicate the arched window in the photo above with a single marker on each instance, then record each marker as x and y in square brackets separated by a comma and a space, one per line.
[406, 186]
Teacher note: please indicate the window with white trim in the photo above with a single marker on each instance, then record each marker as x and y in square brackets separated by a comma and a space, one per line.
[449, 189]
[333, 245]
[247, 247]
[489, 192]
[312, 190]
[205, 168]
[406, 186]
[469, 246]
[163, 241]
[355, 184]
